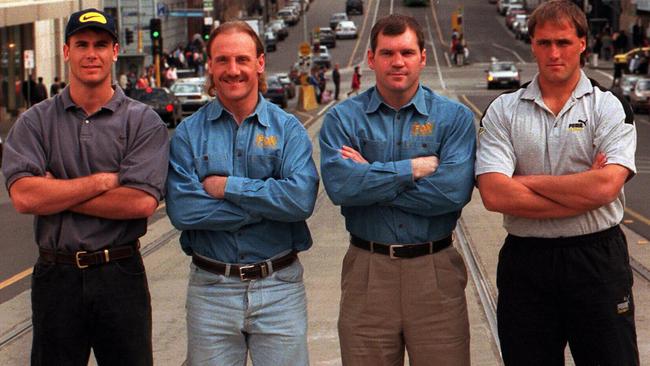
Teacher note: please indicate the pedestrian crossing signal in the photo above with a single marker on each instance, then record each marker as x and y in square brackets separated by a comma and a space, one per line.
[128, 34]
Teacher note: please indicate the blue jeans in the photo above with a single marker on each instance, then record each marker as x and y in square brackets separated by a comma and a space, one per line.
[226, 318]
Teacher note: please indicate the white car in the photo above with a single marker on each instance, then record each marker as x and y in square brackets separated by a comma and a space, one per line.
[322, 57]
[502, 74]
[346, 29]
[192, 96]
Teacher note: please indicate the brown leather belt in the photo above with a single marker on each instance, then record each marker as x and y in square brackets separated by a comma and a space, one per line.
[245, 272]
[82, 259]
[401, 250]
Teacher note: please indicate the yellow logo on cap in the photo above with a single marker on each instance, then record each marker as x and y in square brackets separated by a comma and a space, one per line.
[92, 17]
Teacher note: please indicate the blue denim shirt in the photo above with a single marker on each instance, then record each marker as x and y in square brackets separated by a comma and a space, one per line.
[270, 192]
[380, 200]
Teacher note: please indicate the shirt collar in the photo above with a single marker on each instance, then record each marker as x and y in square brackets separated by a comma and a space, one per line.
[111, 105]
[533, 91]
[418, 101]
[215, 109]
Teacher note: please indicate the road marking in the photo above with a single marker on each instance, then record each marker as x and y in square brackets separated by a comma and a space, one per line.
[605, 74]
[511, 51]
[435, 55]
[312, 119]
[435, 20]
[447, 59]
[471, 105]
[637, 216]
[363, 29]
[391, 7]
[15, 278]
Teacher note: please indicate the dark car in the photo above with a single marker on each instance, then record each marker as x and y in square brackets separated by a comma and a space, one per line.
[289, 86]
[270, 42]
[325, 36]
[354, 7]
[162, 101]
[275, 91]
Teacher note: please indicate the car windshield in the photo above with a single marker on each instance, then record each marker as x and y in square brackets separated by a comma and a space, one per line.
[628, 80]
[502, 67]
[186, 88]
[156, 95]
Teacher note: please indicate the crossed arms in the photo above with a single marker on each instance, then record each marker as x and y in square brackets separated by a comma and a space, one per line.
[549, 196]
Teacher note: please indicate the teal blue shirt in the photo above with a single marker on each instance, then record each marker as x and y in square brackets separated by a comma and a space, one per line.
[270, 192]
[380, 200]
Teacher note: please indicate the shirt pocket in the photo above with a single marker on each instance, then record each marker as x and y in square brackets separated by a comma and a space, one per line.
[373, 150]
[264, 166]
[419, 147]
[212, 164]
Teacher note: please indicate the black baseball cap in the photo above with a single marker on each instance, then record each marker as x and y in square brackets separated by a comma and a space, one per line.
[90, 18]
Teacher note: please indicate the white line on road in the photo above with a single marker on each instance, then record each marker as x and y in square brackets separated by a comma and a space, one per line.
[391, 7]
[610, 77]
[374, 20]
[435, 55]
[509, 50]
[363, 29]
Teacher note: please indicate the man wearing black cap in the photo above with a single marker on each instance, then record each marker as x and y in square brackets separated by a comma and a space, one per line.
[90, 164]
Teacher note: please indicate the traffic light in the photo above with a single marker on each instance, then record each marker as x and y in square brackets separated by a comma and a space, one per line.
[128, 35]
[207, 29]
[155, 28]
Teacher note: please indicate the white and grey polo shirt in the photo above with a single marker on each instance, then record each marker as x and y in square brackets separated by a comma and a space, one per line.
[519, 135]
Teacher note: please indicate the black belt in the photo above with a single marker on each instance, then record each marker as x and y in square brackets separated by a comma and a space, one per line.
[82, 259]
[245, 272]
[401, 250]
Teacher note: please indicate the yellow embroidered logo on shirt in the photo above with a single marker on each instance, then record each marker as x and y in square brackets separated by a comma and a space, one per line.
[425, 129]
[265, 142]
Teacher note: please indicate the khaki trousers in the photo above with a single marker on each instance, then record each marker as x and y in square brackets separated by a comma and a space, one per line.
[388, 305]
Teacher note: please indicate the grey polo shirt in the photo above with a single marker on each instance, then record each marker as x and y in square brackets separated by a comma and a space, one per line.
[56, 135]
[519, 135]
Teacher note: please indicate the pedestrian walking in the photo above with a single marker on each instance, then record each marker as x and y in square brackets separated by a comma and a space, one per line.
[28, 90]
[41, 90]
[241, 201]
[356, 82]
[90, 164]
[399, 160]
[336, 79]
[563, 272]
[55, 87]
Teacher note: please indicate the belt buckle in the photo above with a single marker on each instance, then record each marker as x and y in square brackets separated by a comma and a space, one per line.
[391, 250]
[242, 274]
[78, 258]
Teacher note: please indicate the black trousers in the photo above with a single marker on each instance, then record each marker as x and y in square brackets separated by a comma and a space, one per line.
[105, 307]
[575, 290]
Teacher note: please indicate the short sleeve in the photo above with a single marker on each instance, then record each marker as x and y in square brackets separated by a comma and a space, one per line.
[23, 152]
[615, 132]
[495, 152]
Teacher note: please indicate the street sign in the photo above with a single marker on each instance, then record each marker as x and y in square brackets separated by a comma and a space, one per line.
[304, 49]
[28, 59]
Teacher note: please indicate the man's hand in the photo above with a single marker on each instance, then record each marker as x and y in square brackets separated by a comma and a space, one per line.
[424, 166]
[599, 161]
[215, 185]
[350, 153]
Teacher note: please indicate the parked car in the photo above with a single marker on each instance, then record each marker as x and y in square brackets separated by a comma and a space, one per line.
[640, 95]
[346, 29]
[275, 92]
[192, 95]
[502, 74]
[519, 19]
[512, 12]
[270, 42]
[325, 36]
[336, 18]
[354, 7]
[627, 83]
[289, 86]
[322, 57]
[163, 102]
[280, 28]
[289, 16]
[503, 5]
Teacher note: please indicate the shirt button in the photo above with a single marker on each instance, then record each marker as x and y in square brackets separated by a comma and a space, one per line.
[238, 234]
[400, 226]
[87, 121]
[397, 117]
[399, 143]
[241, 257]
[239, 153]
